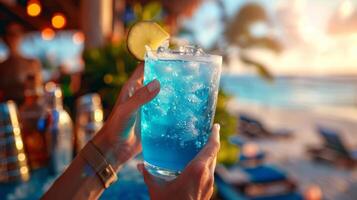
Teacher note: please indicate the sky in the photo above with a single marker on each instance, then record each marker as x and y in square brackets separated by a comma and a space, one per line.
[300, 25]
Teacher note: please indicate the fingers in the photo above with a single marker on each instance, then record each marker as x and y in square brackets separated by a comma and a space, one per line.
[121, 117]
[212, 166]
[134, 82]
[140, 97]
[209, 152]
[198, 175]
[138, 73]
[203, 165]
[209, 193]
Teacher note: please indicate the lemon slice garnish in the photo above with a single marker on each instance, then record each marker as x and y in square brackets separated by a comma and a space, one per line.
[145, 33]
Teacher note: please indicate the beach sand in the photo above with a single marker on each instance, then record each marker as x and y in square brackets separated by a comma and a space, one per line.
[290, 154]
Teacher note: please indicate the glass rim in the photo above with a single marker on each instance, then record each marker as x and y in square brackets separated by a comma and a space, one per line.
[178, 55]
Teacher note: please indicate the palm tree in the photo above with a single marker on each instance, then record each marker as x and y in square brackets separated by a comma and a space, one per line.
[237, 33]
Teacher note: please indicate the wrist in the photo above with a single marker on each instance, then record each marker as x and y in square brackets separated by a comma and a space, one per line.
[102, 144]
[115, 152]
[96, 160]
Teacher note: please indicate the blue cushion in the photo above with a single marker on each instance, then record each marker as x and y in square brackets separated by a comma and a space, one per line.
[265, 174]
[249, 120]
[227, 191]
[259, 156]
[290, 196]
[237, 140]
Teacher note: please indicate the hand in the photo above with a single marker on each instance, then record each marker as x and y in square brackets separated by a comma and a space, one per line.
[195, 182]
[117, 139]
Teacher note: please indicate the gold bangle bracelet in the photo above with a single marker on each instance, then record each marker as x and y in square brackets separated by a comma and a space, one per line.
[97, 161]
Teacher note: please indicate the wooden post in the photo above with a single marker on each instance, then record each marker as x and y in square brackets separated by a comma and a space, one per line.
[96, 21]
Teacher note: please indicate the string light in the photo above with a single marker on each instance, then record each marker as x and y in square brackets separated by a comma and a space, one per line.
[33, 8]
[47, 34]
[58, 20]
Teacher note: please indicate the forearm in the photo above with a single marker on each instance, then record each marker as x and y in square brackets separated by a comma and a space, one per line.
[79, 181]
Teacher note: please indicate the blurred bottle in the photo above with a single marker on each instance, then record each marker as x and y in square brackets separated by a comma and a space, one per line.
[89, 118]
[30, 113]
[58, 128]
[13, 160]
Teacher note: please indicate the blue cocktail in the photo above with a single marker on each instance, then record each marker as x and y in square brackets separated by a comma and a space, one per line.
[176, 124]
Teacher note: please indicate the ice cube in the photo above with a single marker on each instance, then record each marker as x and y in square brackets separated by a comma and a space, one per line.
[193, 99]
[198, 144]
[193, 50]
[187, 130]
[150, 53]
[187, 50]
[165, 94]
[187, 80]
[195, 87]
[168, 69]
[199, 51]
[206, 74]
[164, 46]
[191, 68]
[160, 110]
[161, 50]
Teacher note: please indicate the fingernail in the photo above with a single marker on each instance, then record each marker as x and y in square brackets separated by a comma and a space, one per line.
[153, 85]
[217, 126]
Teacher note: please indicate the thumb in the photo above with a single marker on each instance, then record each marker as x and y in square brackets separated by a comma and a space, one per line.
[148, 178]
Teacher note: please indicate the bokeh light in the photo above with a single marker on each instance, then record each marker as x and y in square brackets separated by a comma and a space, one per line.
[250, 149]
[98, 115]
[313, 192]
[58, 21]
[24, 170]
[346, 9]
[21, 157]
[47, 34]
[78, 38]
[19, 144]
[33, 8]
[108, 79]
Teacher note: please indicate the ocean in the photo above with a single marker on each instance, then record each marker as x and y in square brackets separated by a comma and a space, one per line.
[292, 92]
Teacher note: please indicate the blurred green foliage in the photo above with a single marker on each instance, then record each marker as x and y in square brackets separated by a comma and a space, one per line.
[228, 153]
[238, 31]
[106, 70]
[152, 11]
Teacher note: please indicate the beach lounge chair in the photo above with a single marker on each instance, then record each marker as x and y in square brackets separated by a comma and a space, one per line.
[226, 191]
[261, 182]
[244, 159]
[237, 140]
[333, 141]
[334, 149]
[253, 128]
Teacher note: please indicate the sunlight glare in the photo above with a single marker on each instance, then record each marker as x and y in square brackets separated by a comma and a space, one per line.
[346, 9]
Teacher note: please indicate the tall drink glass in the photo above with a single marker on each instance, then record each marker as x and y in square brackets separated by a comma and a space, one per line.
[176, 124]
